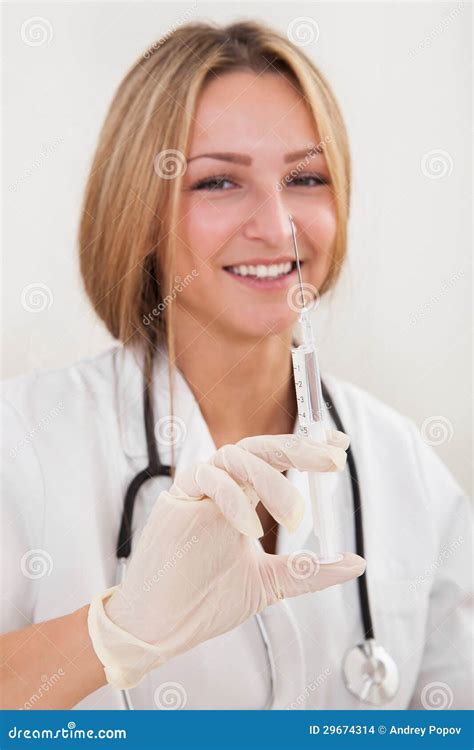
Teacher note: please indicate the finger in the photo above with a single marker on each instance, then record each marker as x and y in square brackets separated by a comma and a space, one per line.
[295, 451]
[301, 573]
[204, 480]
[338, 438]
[279, 496]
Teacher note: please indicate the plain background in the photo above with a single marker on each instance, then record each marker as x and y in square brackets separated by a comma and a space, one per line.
[398, 324]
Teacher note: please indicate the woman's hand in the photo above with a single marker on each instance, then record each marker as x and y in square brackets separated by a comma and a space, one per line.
[198, 570]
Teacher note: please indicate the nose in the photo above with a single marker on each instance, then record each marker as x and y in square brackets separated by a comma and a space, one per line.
[269, 222]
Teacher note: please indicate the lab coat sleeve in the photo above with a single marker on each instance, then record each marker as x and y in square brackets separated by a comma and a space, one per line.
[23, 559]
[445, 675]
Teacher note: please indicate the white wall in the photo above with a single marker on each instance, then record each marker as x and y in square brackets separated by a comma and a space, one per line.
[399, 323]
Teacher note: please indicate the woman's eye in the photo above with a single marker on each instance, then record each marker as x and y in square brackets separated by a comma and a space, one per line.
[213, 183]
[307, 180]
[223, 182]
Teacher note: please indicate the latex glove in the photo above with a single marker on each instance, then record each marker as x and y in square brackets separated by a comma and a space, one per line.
[198, 569]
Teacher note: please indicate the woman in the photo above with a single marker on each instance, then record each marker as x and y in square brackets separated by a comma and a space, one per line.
[213, 139]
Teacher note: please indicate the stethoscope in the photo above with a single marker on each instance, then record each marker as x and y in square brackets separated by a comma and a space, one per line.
[368, 670]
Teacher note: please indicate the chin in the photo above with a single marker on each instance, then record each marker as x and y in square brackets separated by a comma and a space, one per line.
[257, 326]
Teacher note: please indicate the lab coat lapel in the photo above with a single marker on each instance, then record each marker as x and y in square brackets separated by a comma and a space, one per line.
[187, 432]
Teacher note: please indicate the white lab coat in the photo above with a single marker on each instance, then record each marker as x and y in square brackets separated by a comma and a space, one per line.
[73, 440]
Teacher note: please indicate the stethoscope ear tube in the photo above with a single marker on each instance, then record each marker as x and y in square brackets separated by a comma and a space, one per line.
[154, 469]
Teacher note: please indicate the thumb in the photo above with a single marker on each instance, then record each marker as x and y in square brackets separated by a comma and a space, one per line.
[301, 573]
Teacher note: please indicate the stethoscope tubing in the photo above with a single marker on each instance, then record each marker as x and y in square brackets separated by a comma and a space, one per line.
[358, 520]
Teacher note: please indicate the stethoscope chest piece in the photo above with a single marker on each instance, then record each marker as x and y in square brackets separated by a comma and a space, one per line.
[370, 673]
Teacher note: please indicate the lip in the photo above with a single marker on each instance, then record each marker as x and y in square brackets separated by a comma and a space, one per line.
[264, 261]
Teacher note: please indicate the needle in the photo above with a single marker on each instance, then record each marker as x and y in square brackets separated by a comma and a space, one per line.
[298, 267]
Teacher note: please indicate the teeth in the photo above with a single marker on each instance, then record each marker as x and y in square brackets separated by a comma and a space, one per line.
[262, 272]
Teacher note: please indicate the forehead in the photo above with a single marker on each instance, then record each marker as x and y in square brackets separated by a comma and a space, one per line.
[244, 110]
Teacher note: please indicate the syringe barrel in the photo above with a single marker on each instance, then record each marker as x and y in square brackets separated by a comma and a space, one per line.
[312, 421]
[311, 406]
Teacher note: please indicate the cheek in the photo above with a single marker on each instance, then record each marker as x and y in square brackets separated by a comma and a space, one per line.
[321, 235]
[322, 229]
[205, 229]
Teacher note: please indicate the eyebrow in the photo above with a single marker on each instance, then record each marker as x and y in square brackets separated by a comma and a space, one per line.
[247, 160]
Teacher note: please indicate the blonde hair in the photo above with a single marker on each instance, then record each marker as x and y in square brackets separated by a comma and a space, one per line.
[126, 237]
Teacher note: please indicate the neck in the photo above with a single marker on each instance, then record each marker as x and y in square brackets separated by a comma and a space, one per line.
[243, 386]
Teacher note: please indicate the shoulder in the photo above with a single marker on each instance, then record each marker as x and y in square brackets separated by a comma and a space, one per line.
[46, 411]
[50, 421]
[39, 389]
[70, 395]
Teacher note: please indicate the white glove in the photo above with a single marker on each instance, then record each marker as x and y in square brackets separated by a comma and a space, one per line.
[198, 570]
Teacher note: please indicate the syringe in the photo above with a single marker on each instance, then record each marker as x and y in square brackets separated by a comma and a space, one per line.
[312, 422]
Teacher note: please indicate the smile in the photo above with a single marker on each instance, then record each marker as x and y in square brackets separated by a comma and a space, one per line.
[271, 271]
[264, 276]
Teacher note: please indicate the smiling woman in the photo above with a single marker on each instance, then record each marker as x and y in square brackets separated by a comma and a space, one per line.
[208, 143]
[221, 596]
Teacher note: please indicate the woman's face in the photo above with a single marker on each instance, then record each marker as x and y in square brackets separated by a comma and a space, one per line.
[249, 132]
